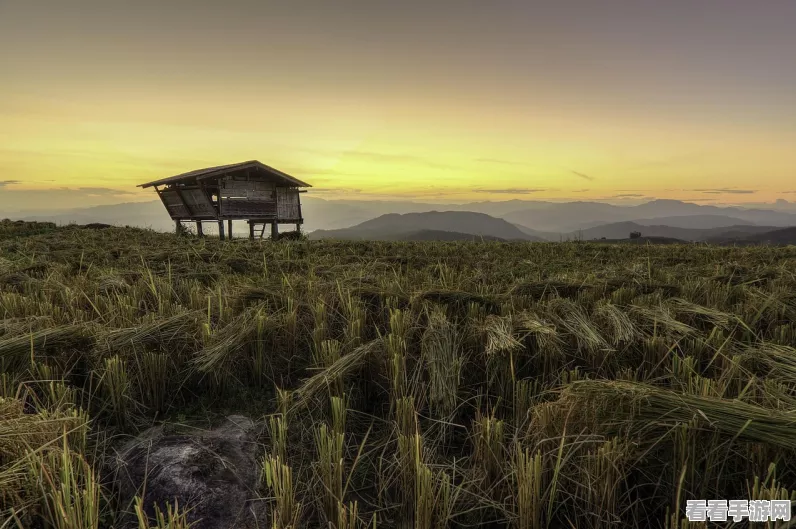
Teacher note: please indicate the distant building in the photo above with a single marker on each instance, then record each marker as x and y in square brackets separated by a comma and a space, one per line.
[250, 191]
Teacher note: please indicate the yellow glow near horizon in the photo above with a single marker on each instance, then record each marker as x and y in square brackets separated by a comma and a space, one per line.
[389, 147]
[436, 151]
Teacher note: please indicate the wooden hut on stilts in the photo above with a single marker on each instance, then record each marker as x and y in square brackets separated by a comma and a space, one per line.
[250, 191]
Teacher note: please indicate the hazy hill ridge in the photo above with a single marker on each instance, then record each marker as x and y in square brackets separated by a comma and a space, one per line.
[571, 216]
[532, 219]
[395, 226]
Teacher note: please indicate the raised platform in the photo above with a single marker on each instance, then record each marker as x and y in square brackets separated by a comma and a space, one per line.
[253, 223]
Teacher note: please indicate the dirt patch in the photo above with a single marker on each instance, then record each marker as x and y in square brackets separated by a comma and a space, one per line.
[214, 473]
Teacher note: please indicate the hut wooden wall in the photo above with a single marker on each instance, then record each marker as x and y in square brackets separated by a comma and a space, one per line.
[240, 196]
[174, 204]
[287, 200]
[187, 203]
[198, 203]
[247, 198]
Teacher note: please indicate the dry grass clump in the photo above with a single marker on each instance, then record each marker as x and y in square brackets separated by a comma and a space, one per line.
[177, 330]
[17, 350]
[69, 488]
[426, 385]
[607, 403]
[278, 478]
[173, 518]
[43, 472]
[440, 349]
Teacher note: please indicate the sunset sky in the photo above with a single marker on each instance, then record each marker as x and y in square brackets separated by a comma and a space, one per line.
[443, 100]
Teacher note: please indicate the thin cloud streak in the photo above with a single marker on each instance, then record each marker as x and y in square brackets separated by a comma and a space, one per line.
[335, 190]
[729, 191]
[511, 191]
[325, 172]
[100, 191]
[582, 175]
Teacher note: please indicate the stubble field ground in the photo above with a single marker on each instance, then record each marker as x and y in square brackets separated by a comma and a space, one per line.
[452, 384]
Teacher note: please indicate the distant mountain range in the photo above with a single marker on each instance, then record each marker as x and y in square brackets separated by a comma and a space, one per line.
[507, 220]
[394, 226]
[622, 230]
[571, 216]
[418, 235]
[457, 225]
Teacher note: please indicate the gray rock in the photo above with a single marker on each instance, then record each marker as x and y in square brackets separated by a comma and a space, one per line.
[213, 473]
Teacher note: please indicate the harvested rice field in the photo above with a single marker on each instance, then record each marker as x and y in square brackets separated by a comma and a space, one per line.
[424, 385]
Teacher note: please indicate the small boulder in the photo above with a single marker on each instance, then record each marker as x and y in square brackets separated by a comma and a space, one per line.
[213, 473]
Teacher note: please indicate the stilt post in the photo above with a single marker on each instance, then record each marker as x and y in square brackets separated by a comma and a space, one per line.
[221, 229]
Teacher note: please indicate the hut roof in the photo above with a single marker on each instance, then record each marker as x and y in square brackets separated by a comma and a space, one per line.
[210, 172]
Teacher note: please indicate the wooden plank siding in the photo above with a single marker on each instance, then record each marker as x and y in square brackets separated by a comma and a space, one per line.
[287, 199]
[174, 204]
[185, 203]
[198, 203]
[241, 197]
[247, 208]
